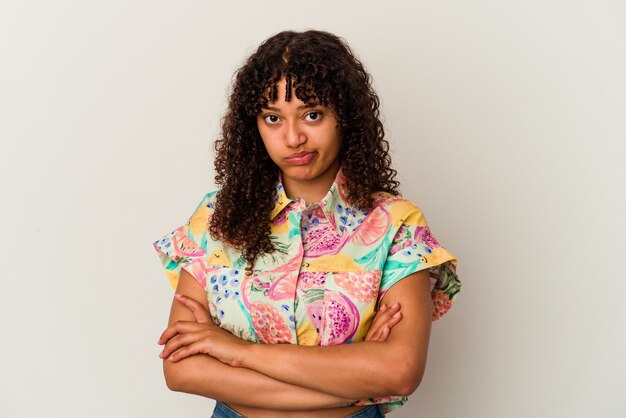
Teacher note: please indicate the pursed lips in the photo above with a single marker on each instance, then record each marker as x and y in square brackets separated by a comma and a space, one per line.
[301, 158]
[299, 155]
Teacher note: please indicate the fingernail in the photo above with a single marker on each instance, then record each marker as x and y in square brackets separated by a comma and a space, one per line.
[394, 305]
[396, 315]
[178, 295]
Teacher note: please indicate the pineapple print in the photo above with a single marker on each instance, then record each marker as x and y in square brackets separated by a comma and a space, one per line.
[361, 285]
[268, 324]
[441, 304]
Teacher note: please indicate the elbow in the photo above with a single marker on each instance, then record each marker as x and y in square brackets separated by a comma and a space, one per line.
[407, 379]
[408, 386]
[173, 376]
[189, 375]
[172, 384]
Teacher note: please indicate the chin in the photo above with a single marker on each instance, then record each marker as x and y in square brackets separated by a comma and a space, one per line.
[301, 173]
[306, 172]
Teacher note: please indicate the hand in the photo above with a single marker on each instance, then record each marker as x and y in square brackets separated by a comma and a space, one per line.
[383, 321]
[185, 338]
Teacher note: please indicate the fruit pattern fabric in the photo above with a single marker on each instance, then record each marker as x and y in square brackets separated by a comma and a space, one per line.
[332, 265]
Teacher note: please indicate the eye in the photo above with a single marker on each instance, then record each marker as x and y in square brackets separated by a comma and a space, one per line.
[314, 116]
[271, 119]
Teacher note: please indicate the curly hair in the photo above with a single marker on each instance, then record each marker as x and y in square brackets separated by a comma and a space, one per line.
[321, 68]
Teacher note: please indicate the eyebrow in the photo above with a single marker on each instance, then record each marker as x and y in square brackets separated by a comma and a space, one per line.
[275, 109]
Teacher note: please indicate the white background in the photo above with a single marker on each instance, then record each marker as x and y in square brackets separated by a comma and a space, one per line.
[507, 122]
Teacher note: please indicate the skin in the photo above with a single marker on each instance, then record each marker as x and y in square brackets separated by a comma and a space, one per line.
[289, 127]
[203, 359]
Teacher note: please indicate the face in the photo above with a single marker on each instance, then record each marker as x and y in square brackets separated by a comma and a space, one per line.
[302, 140]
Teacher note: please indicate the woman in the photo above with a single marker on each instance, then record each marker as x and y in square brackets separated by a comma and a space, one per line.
[307, 248]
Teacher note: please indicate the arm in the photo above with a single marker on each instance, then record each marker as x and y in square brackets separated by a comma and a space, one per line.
[206, 376]
[362, 370]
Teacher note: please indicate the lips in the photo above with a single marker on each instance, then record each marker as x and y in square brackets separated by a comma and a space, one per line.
[300, 158]
[299, 154]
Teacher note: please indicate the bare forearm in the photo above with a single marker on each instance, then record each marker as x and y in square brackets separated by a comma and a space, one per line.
[205, 376]
[354, 371]
[362, 369]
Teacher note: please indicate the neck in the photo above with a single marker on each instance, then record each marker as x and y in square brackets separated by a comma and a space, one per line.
[312, 190]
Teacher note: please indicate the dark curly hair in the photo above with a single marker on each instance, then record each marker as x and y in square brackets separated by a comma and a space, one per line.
[321, 68]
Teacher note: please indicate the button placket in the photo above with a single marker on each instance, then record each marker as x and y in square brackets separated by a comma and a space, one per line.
[296, 239]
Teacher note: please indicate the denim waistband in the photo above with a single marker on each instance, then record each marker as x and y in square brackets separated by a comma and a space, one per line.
[224, 411]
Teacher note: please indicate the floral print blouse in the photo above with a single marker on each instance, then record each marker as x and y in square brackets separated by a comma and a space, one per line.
[332, 265]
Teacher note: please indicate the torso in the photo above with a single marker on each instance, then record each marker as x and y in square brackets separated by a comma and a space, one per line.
[332, 265]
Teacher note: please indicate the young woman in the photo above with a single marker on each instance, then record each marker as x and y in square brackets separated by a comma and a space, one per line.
[291, 276]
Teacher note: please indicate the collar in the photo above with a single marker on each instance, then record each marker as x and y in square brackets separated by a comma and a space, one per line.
[334, 204]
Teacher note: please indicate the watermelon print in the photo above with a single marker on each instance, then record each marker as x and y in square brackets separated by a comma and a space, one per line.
[320, 237]
[313, 302]
[341, 318]
[312, 280]
[372, 229]
[332, 265]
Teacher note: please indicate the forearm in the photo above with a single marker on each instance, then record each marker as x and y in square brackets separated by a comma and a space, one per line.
[353, 371]
[359, 370]
[205, 376]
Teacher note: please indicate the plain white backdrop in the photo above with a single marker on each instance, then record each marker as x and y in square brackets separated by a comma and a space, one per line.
[507, 122]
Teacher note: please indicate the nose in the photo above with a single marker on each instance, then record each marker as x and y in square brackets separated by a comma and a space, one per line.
[294, 136]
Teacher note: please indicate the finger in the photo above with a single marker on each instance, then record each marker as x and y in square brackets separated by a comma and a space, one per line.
[199, 312]
[388, 319]
[384, 334]
[396, 316]
[177, 342]
[185, 352]
[177, 327]
[383, 315]
[391, 321]
[373, 334]
[386, 312]
[376, 320]
[378, 335]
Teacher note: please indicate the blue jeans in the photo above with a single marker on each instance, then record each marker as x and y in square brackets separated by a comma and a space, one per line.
[223, 411]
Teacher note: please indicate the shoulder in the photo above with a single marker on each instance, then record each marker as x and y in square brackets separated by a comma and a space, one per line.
[199, 218]
[208, 200]
[400, 209]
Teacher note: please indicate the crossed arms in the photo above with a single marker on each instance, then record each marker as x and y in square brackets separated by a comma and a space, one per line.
[203, 359]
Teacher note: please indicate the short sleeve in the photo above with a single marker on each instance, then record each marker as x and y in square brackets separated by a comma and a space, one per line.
[185, 247]
[414, 248]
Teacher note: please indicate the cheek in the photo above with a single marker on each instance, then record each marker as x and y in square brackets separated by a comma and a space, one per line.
[334, 145]
[271, 147]
[266, 139]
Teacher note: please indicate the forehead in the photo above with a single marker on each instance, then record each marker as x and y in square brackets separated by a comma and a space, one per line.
[289, 91]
